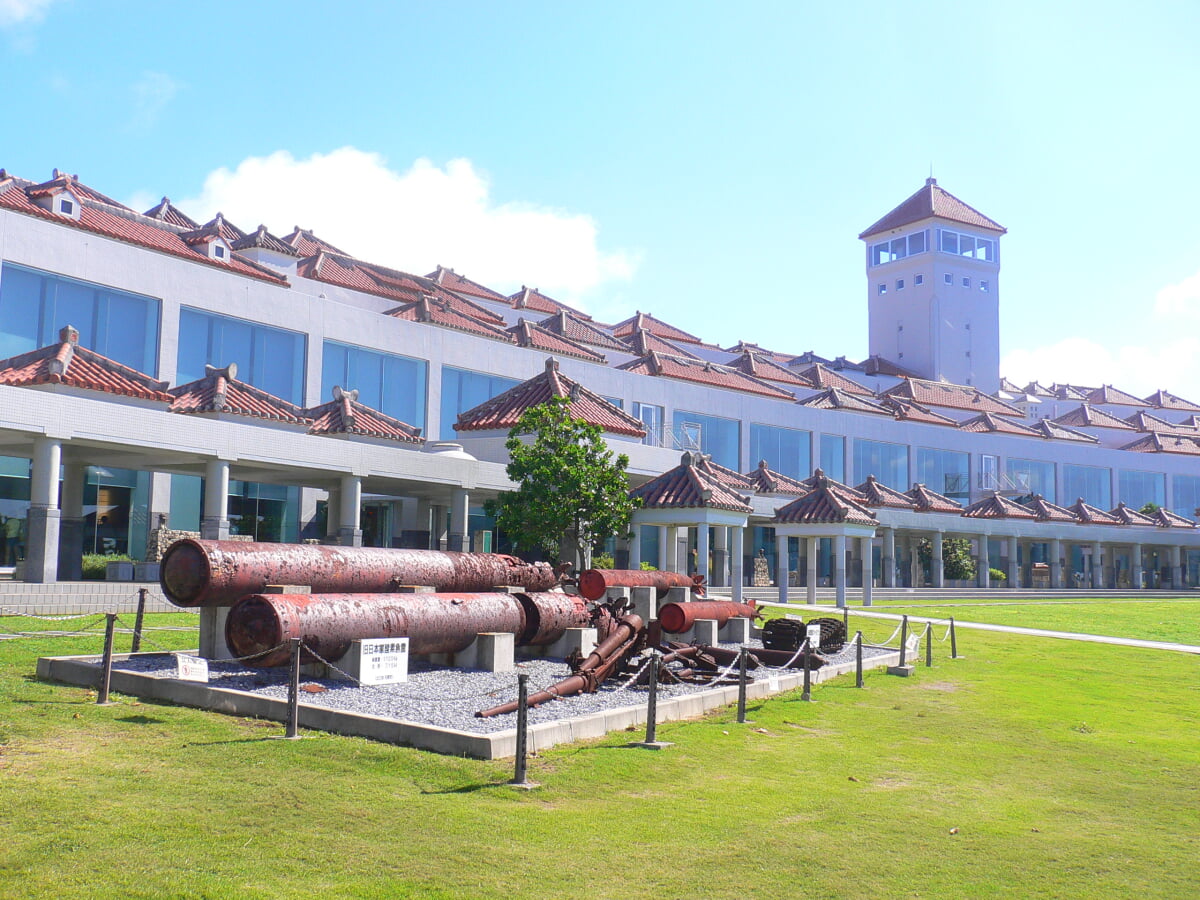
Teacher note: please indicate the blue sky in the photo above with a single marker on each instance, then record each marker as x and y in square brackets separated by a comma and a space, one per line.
[710, 165]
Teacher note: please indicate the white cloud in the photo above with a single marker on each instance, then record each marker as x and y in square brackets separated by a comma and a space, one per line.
[13, 12]
[1179, 301]
[416, 219]
[151, 94]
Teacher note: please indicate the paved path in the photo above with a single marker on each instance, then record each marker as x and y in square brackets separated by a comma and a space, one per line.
[1008, 629]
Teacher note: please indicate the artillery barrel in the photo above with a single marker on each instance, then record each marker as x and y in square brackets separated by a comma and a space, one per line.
[219, 573]
[594, 583]
[433, 623]
[677, 618]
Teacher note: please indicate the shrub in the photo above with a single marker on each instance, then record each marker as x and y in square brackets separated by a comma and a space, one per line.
[603, 561]
[997, 575]
[95, 565]
[646, 567]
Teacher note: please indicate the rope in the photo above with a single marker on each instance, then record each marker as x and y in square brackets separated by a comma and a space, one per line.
[4, 610]
[636, 675]
[55, 634]
[803, 646]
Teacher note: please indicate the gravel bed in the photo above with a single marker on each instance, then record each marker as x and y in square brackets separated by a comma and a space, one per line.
[449, 698]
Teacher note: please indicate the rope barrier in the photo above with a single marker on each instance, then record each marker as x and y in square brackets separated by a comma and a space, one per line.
[4, 610]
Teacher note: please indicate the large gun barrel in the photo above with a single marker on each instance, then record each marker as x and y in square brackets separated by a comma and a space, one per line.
[219, 573]
[677, 618]
[594, 583]
[259, 626]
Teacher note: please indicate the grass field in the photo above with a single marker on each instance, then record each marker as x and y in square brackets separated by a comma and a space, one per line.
[1030, 768]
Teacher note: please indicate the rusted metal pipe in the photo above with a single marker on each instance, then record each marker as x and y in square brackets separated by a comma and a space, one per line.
[433, 623]
[219, 573]
[677, 618]
[594, 583]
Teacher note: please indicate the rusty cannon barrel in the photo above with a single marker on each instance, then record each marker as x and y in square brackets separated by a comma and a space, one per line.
[219, 573]
[677, 618]
[594, 583]
[261, 625]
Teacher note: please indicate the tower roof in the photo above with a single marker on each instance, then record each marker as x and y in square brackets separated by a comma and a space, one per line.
[928, 202]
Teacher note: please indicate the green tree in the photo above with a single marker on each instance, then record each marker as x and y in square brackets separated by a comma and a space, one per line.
[1149, 508]
[957, 562]
[572, 490]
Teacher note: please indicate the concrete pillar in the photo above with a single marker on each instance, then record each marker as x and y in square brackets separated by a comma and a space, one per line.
[214, 523]
[937, 574]
[781, 567]
[437, 527]
[867, 567]
[349, 511]
[720, 568]
[635, 548]
[888, 557]
[41, 535]
[70, 527]
[1137, 575]
[1014, 563]
[1176, 567]
[702, 551]
[839, 568]
[914, 562]
[985, 562]
[1056, 569]
[1097, 565]
[813, 554]
[460, 508]
[738, 556]
[333, 513]
[664, 545]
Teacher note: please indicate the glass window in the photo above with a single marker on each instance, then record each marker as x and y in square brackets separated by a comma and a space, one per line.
[949, 279]
[1186, 495]
[899, 248]
[1139, 488]
[1031, 476]
[271, 359]
[880, 254]
[616, 401]
[899, 284]
[881, 289]
[985, 249]
[463, 389]
[718, 437]
[833, 456]
[949, 241]
[787, 451]
[389, 383]
[887, 462]
[1092, 483]
[918, 279]
[944, 471]
[984, 286]
[916, 243]
[966, 282]
[652, 417]
[34, 307]
[966, 245]
[267, 512]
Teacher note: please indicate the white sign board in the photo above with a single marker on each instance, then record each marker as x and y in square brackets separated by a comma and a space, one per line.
[191, 668]
[913, 644]
[383, 661]
[814, 637]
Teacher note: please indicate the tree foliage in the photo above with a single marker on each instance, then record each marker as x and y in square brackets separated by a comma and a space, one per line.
[1149, 508]
[957, 562]
[572, 493]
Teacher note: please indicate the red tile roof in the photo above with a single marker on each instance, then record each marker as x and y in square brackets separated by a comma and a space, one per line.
[643, 343]
[844, 491]
[997, 507]
[172, 215]
[68, 363]
[532, 298]
[759, 366]
[345, 415]
[1156, 442]
[820, 377]
[1070, 391]
[1109, 394]
[951, 396]
[690, 486]
[566, 325]
[1055, 432]
[659, 364]
[727, 477]
[261, 238]
[1049, 512]
[121, 224]
[1085, 416]
[879, 494]
[1092, 515]
[931, 501]
[640, 321]
[824, 505]
[1167, 400]
[835, 398]
[219, 391]
[764, 481]
[1144, 421]
[908, 411]
[440, 311]
[988, 423]
[533, 337]
[878, 365]
[1130, 516]
[932, 200]
[460, 284]
[1164, 518]
[304, 242]
[774, 356]
[504, 410]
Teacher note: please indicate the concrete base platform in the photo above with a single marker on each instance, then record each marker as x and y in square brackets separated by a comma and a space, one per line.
[903, 671]
[85, 671]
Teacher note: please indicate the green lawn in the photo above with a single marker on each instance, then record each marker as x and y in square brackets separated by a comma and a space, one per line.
[1068, 770]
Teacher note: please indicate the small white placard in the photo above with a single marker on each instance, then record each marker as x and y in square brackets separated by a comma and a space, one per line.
[913, 644]
[814, 637]
[191, 668]
[773, 683]
[384, 661]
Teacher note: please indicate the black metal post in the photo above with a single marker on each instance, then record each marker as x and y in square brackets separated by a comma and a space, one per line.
[110, 620]
[137, 622]
[858, 669]
[293, 710]
[903, 639]
[806, 694]
[846, 619]
[928, 644]
[953, 641]
[741, 715]
[522, 727]
[652, 701]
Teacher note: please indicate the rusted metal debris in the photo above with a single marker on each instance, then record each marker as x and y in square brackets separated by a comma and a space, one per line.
[219, 573]
[433, 623]
[594, 583]
[677, 618]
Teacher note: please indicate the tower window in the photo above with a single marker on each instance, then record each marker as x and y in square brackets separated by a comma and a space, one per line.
[918, 280]
[949, 278]
[984, 286]
[899, 284]
[220, 251]
[67, 207]
[966, 282]
[898, 248]
[881, 289]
